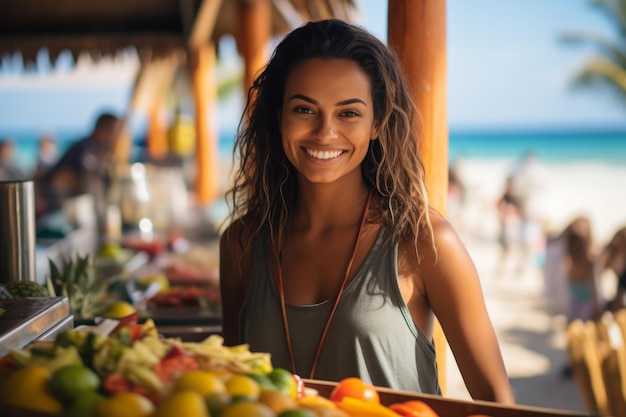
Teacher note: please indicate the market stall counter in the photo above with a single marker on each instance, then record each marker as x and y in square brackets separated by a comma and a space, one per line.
[25, 320]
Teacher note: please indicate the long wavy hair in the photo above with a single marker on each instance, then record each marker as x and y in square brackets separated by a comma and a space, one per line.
[265, 187]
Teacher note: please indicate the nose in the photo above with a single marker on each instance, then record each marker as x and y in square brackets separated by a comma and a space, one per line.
[325, 129]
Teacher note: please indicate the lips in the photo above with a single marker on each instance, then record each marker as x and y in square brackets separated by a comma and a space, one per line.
[323, 155]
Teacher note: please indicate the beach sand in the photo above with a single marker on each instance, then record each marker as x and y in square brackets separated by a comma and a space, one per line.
[562, 191]
[526, 310]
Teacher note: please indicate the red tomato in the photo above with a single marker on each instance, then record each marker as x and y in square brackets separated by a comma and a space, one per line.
[413, 408]
[116, 384]
[172, 366]
[355, 388]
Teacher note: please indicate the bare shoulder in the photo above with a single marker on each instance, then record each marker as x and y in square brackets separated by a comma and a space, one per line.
[446, 266]
[446, 244]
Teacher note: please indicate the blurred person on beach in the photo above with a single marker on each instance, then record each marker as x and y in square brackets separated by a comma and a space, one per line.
[510, 219]
[578, 263]
[333, 262]
[524, 185]
[9, 171]
[47, 156]
[613, 259]
[579, 266]
[456, 198]
[82, 165]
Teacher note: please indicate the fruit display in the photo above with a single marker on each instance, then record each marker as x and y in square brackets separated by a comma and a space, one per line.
[135, 372]
[22, 289]
[185, 296]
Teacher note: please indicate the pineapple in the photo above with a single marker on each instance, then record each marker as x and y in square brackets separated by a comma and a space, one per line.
[76, 279]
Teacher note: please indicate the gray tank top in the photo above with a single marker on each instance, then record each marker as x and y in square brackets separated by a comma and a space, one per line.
[372, 335]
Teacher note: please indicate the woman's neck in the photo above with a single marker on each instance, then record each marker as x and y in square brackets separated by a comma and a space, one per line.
[321, 207]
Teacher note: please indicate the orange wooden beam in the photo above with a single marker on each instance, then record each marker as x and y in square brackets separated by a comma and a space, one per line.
[203, 61]
[157, 132]
[417, 31]
[255, 23]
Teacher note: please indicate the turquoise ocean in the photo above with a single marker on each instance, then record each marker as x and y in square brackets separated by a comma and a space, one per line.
[553, 146]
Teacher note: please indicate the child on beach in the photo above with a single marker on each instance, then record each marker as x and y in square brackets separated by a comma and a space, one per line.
[334, 262]
[579, 267]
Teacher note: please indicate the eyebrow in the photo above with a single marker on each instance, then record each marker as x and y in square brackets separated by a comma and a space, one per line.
[341, 103]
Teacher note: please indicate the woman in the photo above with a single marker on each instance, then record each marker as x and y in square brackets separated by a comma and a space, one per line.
[334, 262]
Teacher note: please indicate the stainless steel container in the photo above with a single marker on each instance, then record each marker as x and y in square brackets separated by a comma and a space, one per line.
[17, 231]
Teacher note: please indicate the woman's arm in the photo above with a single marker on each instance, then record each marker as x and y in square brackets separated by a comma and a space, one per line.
[234, 267]
[452, 287]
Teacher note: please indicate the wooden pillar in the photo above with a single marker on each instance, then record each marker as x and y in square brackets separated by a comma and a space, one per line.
[417, 31]
[202, 54]
[152, 82]
[255, 23]
[203, 62]
[157, 132]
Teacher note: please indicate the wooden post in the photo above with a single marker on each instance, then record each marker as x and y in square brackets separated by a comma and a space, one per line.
[255, 22]
[205, 95]
[157, 132]
[417, 31]
[202, 53]
[152, 82]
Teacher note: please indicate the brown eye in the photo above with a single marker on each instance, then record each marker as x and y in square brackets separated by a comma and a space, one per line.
[303, 110]
[350, 113]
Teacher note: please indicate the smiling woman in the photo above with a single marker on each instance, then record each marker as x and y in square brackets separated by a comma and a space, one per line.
[334, 261]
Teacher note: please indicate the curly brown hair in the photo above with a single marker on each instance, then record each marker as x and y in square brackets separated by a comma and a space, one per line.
[264, 187]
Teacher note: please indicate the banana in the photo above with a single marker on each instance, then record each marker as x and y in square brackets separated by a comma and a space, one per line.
[144, 377]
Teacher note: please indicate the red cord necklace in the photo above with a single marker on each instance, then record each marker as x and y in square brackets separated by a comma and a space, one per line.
[281, 290]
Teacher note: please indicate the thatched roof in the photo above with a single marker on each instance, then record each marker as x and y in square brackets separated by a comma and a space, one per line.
[103, 27]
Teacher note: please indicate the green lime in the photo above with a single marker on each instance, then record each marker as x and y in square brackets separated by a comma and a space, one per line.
[71, 381]
[217, 402]
[298, 412]
[264, 381]
[284, 381]
[85, 405]
[248, 409]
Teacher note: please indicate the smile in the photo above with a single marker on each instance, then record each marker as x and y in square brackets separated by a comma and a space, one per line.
[323, 154]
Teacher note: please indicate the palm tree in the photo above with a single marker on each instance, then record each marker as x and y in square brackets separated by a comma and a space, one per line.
[607, 68]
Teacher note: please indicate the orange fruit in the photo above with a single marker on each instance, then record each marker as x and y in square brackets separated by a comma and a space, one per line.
[119, 309]
[28, 388]
[277, 401]
[182, 403]
[128, 404]
[242, 386]
[202, 382]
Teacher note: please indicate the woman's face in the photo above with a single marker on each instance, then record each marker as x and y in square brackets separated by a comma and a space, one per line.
[327, 120]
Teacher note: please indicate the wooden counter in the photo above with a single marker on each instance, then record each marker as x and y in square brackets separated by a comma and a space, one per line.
[447, 407]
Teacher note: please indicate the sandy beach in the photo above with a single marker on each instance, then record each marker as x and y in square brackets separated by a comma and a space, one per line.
[527, 314]
[562, 191]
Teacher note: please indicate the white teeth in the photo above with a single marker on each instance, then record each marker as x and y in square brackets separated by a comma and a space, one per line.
[323, 154]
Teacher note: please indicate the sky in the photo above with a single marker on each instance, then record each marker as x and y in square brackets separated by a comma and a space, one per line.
[506, 69]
